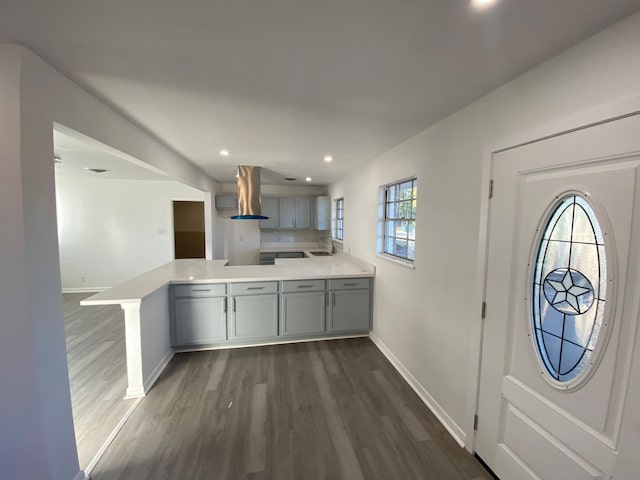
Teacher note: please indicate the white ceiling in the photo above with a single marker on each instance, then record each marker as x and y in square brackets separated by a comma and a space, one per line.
[77, 153]
[281, 83]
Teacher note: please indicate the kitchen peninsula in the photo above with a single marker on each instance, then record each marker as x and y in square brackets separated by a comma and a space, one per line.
[189, 305]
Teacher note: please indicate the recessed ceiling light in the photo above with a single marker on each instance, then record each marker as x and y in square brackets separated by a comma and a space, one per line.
[328, 158]
[224, 153]
[96, 170]
[482, 3]
[308, 179]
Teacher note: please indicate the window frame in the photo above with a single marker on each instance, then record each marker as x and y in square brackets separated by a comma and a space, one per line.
[384, 208]
[339, 217]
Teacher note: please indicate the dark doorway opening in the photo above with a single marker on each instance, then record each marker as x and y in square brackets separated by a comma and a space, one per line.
[188, 229]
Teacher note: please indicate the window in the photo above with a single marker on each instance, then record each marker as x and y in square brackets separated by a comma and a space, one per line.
[338, 232]
[399, 234]
[569, 290]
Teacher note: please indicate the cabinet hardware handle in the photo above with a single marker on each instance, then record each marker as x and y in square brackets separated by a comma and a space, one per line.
[255, 288]
[349, 284]
[201, 290]
[334, 299]
[225, 304]
[304, 286]
[234, 304]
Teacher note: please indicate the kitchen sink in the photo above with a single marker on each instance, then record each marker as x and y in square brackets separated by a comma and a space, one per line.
[321, 254]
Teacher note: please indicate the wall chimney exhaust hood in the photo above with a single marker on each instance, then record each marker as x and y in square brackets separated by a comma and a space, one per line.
[248, 194]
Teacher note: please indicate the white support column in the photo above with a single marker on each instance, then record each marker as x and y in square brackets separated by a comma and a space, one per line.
[133, 339]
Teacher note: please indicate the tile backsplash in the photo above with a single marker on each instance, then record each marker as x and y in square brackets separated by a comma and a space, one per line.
[293, 236]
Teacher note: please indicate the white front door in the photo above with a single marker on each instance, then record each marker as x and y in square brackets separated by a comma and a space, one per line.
[562, 293]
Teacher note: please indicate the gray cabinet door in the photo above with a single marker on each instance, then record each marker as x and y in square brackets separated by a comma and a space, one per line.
[349, 310]
[200, 321]
[287, 213]
[303, 213]
[254, 316]
[270, 209]
[323, 213]
[302, 313]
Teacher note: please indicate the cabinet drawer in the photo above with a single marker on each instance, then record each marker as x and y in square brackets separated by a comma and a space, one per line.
[291, 286]
[349, 283]
[253, 288]
[204, 290]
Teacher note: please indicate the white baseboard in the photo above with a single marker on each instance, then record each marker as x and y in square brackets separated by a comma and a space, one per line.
[452, 427]
[109, 440]
[151, 379]
[84, 290]
[266, 344]
[80, 476]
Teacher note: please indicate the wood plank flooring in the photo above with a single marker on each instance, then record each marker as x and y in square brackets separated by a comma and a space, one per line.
[320, 410]
[97, 371]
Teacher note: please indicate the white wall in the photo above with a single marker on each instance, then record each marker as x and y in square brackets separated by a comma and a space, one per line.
[112, 230]
[424, 316]
[36, 429]
[36, 426]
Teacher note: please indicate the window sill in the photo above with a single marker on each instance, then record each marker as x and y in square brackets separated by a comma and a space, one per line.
[396, 260]
[337, 240]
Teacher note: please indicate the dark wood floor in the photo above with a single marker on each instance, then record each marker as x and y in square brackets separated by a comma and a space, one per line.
[97, 371]
[322, 410]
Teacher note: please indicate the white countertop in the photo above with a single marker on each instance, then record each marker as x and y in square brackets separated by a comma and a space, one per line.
[216, 271]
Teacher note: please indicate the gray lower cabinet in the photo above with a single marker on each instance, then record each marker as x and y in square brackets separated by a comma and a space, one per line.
[267, 259]
[248, 312]
[200, 321]
[349, 305]
[302, 313]
[254, 312]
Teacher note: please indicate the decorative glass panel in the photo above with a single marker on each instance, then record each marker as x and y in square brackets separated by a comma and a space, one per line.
[568, 291]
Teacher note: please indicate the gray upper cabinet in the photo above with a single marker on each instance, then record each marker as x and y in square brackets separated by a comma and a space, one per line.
[303, 213]
[295, 213]
[323, 213]
[270, 208]
[288, 213]
[227, 201]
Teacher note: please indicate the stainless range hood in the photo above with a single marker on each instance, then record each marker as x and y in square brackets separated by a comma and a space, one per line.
[249, 194]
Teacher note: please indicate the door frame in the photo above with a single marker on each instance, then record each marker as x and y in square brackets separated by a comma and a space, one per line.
[603, 113]
[207, 229]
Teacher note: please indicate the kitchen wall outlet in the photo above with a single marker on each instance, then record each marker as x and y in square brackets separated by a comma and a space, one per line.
[162, 231]
[242, 238]
[83, 279]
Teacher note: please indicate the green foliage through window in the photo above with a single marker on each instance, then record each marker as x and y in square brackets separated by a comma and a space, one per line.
[400, 219]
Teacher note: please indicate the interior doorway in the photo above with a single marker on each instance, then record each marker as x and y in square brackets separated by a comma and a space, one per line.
[188, 229]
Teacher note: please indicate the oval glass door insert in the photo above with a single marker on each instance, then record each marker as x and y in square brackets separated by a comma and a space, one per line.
[569, 291]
